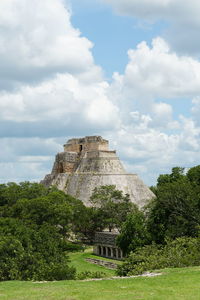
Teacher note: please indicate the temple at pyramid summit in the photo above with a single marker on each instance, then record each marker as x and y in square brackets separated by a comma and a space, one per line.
[87, 163]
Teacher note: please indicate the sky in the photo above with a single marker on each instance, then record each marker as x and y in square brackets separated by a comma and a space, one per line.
[128, 70]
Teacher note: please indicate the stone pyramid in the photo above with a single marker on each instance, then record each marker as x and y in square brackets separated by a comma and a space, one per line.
[87, 163]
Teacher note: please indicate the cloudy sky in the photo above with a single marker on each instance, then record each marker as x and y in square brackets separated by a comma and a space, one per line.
[128, 70]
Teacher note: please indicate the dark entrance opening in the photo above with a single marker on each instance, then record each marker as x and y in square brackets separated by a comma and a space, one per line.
[80, 148]
[61, 169]
[114, 253]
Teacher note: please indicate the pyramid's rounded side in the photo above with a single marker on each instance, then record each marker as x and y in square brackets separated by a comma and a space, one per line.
[81, 185]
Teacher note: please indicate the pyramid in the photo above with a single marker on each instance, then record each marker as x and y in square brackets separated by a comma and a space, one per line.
[87, 163]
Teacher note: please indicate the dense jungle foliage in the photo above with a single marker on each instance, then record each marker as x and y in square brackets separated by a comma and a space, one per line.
[168, 228]
[38, 225]
[34, 225]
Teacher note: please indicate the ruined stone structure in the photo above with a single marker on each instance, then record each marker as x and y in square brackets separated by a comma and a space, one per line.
[87, 163]
[105, 245]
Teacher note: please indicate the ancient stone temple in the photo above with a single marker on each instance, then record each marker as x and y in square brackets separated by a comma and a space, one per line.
[87, 163]
[105, 245]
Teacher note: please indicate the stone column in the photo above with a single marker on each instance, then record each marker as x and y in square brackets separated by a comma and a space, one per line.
[111, 249]
[116, 251]
[106, 251]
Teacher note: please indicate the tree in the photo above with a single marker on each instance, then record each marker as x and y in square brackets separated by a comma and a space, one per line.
[194, 175]
[133, 233]
[112, 204]
[175, 211]
[32, 252]
[34, 226]
[177, 174]
[52, 209]
[11, 192]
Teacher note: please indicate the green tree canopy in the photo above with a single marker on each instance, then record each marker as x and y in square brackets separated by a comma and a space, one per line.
[176, 211]
[193, 175]
[112, 205]
[34, 225]
[133, 232]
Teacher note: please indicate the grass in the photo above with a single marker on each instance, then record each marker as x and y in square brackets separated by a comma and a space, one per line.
[174, 284]
[78, 260]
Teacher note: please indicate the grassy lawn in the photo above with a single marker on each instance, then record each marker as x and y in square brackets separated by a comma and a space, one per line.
[174, 284]
[78, 260]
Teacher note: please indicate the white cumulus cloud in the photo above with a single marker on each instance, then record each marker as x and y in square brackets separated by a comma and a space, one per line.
[182, 18]
[37, 40]
[51, 89]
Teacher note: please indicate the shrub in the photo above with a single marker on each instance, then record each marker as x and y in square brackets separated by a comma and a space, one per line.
[18, 263]
[55, 271]
[182, 252]
[12, 254]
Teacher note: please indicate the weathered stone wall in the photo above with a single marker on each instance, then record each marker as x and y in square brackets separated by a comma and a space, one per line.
[105, 238]
[100, 162]
[94, 143]
[64, 162]
[72, 146]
